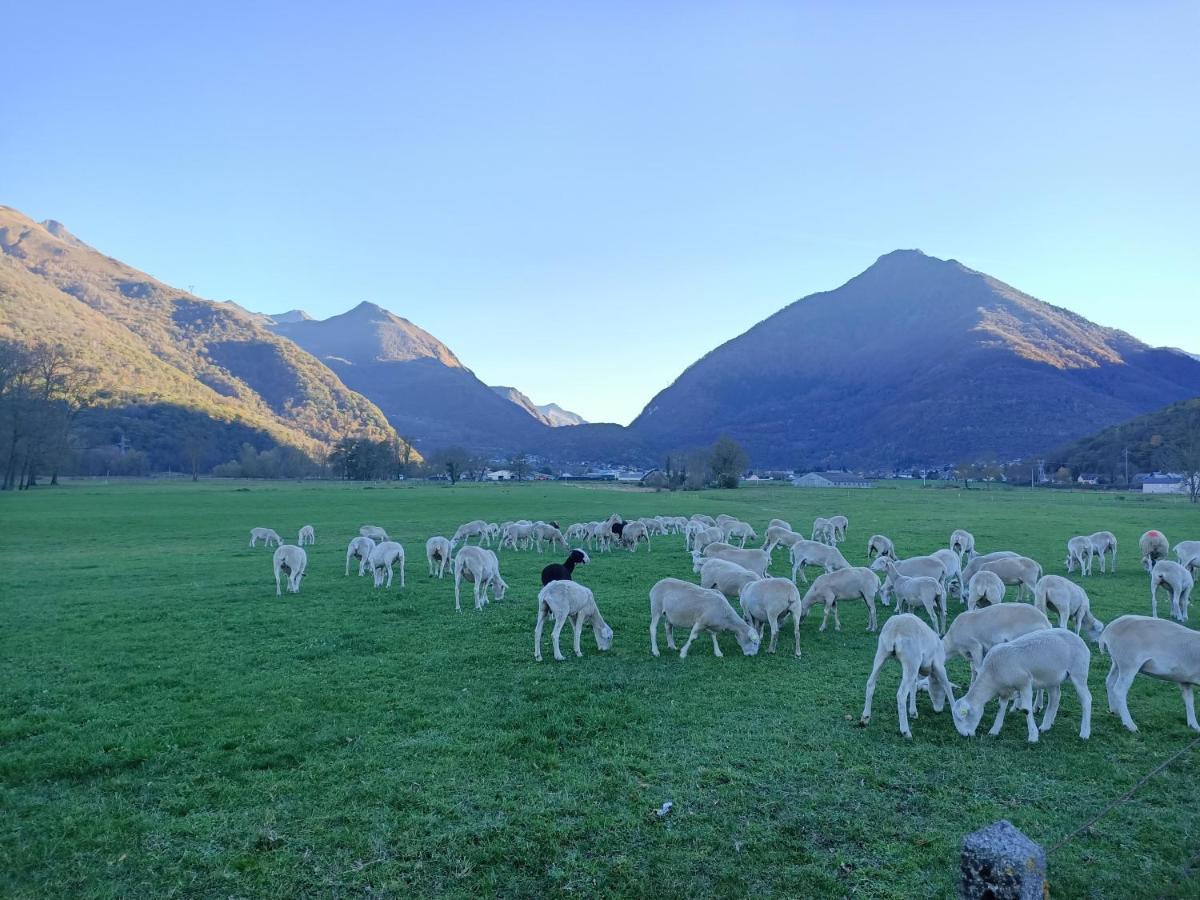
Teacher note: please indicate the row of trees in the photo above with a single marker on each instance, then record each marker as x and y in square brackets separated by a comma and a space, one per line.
[721, 465]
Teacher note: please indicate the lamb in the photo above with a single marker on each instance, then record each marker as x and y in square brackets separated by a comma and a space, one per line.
[984, 586]
[383, 558]
[267, 535]
[962, 543]
[567, 600]
[1154, 546]
[757, 561]
[545, 531]
[913, 644]
[727, 577]
[1176, 579]
[476, 528]
[913, 567]
[813, 553]
[710, 535]
[690, 530]
[307, 536]
[1040, 659]
[823, 530]
[979, 561]
[764, 601]
[972, 634]
[374, 532]
[1080, 550]
[777, 535]
[359, 548]
[1104, 542]
[1018, 570]
[741, 530]
[565, 570]
[687, 605]
[1070, 601]
[482, 568]
[910, 591]
[880, 545]
[294, 561]
[579, 531]
[1188, 554]
[437, 554]
[632, 533]
[1154, 647]
[844, 584]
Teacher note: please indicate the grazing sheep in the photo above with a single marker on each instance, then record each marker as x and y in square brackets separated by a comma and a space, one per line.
[725, 520]
[1070, 601]
[814, 553]
[757, 561]
[823, 530]
[740, 530]
[708, 521]
[599, 537]
[579, 531]
[267, 535]
[482, 569]
[953, 578]
[1176, 579]
[880, 545]
[921, 589]
[1080, 550]
[383, 558]
[1188, 554]
[978, 562]
[913, 567]
[1105, 542]
[1154, 546]
[764, 601]
[778, 535]
[710, 535]
[724, 576]
[307, 536]
[437, 554]
[780, 523]
[1019, 570]
[984, 586]
[962, 543]
[844, 584]
[477, 528]
[972, 634]
[687, 605]
[1040, 659]
[374, 532]
[565, 570]
[1155, 647]
[840, 524]
[517, 535]
[567, 600]
[359, 548]
[292, 560]
[547, 532]
[913, 644]
[632, 533]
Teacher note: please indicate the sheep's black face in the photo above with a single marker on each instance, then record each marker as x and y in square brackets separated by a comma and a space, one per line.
[578, 557]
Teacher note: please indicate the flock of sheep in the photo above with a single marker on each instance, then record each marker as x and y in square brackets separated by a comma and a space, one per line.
[1015, 655]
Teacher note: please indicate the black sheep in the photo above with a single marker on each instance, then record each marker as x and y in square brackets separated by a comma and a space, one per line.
[562, 571]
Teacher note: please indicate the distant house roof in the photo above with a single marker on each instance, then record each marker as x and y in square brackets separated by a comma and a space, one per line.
[1162, 479]
[831, 479]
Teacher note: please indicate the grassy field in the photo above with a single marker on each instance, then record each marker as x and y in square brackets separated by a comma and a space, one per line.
[171, 728]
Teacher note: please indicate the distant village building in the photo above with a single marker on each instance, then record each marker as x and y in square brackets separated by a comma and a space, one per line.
[1163, 484]
[500, 475]
[831, 480]
[1088, 478]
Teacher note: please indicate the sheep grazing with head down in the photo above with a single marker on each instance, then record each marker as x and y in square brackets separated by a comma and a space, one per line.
[359, 548]
[1140, 645]
[437, 554]
[1040, 659]
[913, 567]
[880, 545]
[757, 561]
[921, 590]
[631, 534]
[374, 532]
[984, 587]
[482, 569]
[1178, 581]
[1071, 602]
[840, 524]
[777, 536]
[741, 531]
[764, 601]
[1019, 570]
[293, 562]
[1079, 553]
[1188, 554]
[823, 530]
[976, 564]
[814, 553]
[547, 532]
[780, 523]
[565, 570]
[1104, 543]
[727, 577]
[1154, 546]
[912, 643]
[383, 558]
[973, 633]
[267, 535]
[687, 605]
[568, 600]
[962, 544]
[844, 584]
[307, 536]
[476, 528]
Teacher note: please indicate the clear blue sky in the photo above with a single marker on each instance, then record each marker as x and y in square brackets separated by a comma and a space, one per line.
[581, 199]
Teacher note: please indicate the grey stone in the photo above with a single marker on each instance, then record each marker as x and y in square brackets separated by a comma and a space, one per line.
[1000, 863]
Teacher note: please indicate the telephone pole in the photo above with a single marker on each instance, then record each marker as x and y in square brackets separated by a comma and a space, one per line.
[1126, 467]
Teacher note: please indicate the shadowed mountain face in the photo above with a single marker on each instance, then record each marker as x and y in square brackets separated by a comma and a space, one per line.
[1166, 439]
[916, 359]
[550, 414]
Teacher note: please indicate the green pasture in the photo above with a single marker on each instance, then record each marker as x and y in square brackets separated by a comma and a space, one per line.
[170, 728]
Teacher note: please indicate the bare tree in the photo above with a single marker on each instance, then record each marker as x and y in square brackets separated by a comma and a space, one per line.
[1185, 457]
[727, 461]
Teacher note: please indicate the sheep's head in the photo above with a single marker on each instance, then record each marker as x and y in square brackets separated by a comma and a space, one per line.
[748, 640]
[578, 557]
[501, 587]
[697, 560]
[604, 637]
[1092, 629]
[966, 718]
[879, 564]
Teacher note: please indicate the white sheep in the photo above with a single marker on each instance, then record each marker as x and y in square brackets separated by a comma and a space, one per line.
[687, 605]
[374, 532]
[708, 521]
[437, 554]
[823, 530]
[307, 536]
[973, 633]
[476, 528]
[757, 561]
[917, 649]
[518, 535]
[880, 545]
[578, 531]
[911, 591]
[1040, 659]
[1070, 601]
[383, 558]
[267, 535]
[962, 543]
[984, 586]
[979, 561]
[359, 548]
[1154, 546]
[840, 524]
[292, 560]
[814, 553]
[543, 532]
[741, 530]
[482, 568]
[913, 567]
[569, 600]
[724, 576]
[953, 578]
[710, 535]
[780, 523]
[765, 601]
[777, 535]
[1103, 543]
[1080, 552]
[1176, 579]
[1188, 554]
[844, 584]
[1155, 647]
[1019, 570]
[632, 533]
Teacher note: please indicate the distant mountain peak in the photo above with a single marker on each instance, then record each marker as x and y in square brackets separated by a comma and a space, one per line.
[292, 315]
[547, 413]
[366, 333]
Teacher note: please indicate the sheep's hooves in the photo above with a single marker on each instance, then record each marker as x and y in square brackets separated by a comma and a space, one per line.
[864, 721]
[907, 735]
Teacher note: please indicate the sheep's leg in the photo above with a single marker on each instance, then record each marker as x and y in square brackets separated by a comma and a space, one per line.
[930, 610]
[999, 723]
[537, 633]
[559, 622]
[578, 633]
[478, 602]
[796, 630]
[837, 620]
[457, 584]
[940, 688]
[278, 592]
[1153, 599]
[1079, 682]
[905, 696]
[943, 611]
[773, 621]
[825, 618]
[872, 621]
[402, 564]
[1055, 695]
[1113, 672]
[881, 656]
[1189, 706]
[716, 646]
[683, 651]
[654, 617]
[1026, 703]
[670, 629]
[362, 567]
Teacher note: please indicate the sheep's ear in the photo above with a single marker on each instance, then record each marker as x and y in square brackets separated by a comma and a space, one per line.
[961, 709]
